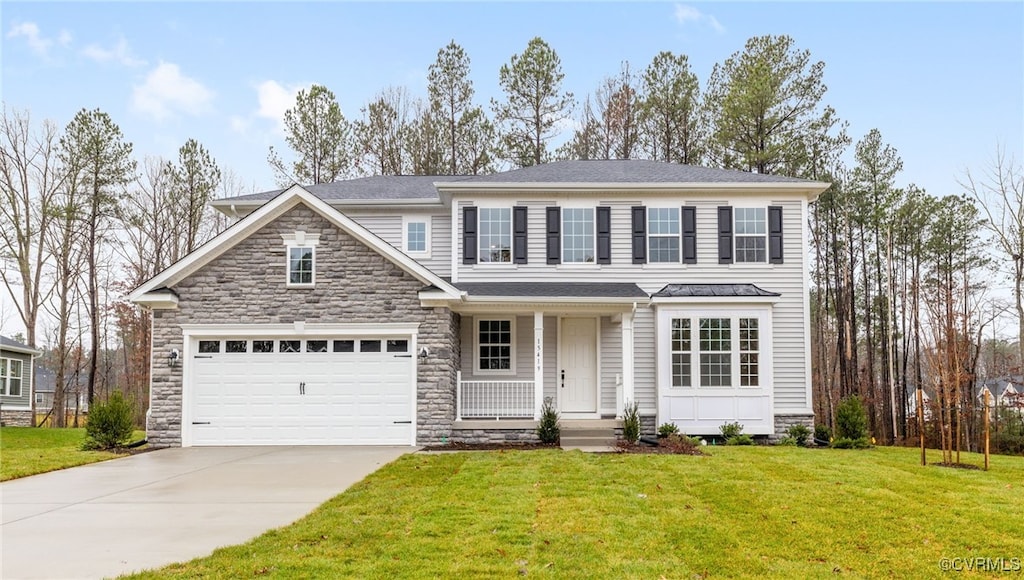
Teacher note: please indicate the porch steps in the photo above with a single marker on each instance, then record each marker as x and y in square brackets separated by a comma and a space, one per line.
[587, 438]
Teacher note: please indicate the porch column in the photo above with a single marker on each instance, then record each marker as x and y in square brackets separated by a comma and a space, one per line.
[538, 363]
[627, 362]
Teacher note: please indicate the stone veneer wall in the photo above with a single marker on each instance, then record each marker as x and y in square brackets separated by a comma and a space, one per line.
[16, 418]
[354, 284]
[496, 435]
[783, 422]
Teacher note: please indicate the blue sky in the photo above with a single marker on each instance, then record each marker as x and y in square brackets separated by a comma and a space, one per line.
[942, 81]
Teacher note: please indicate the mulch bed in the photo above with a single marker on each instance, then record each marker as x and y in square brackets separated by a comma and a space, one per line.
[511, 446]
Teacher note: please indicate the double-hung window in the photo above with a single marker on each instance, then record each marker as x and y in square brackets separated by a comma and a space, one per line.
[751, 234]
[495, 228]
[494, 348]
[578, 235]
[300, 259]
[10, 377]
[663, 234]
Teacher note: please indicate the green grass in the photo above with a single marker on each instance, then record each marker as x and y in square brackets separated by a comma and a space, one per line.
[743, 512]
[27, 451]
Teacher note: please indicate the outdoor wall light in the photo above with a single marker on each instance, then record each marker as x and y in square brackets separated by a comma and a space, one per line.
[172, 359]
[424, 352]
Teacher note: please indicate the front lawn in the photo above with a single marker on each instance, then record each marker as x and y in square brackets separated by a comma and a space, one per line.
[30, 450]
[753, 511]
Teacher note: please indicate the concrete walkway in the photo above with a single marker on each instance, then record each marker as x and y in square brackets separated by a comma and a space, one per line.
[166, 506]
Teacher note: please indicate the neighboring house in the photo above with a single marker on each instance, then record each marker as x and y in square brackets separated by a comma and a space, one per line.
[1003, 393]
[417, 310]
[16, 364]
[46, 380]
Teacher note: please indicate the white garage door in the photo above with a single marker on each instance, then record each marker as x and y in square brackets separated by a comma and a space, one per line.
[301, 391]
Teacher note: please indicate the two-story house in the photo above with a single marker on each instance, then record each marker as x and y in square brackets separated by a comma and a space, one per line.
[421, 309]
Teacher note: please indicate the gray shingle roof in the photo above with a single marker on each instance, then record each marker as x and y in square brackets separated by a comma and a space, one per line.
[421, 187]
[11, 343]
[375, 188]
[626, 171]
[715, 290]
[554, 289]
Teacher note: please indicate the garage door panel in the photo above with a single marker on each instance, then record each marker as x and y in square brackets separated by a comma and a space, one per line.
[255, 398]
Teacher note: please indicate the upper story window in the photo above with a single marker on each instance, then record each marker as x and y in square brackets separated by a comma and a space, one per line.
[300, 258]
[416, 236]
[663, 234]
[495, 234]
[751, 234]
[578, 235]
[10, 377]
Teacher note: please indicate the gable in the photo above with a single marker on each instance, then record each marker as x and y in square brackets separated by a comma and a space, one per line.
[153, 293]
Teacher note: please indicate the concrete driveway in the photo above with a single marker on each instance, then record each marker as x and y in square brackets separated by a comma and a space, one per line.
[166, 506]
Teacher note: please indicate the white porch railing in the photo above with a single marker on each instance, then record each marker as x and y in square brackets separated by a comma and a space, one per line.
[494, 399]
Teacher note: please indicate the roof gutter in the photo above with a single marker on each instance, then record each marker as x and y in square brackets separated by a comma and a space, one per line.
[809, 188]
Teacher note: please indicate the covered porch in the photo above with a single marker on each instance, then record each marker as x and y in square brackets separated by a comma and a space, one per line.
[524, 343]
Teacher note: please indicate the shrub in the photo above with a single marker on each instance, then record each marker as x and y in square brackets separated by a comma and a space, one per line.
[667, 429]
[822, 433]
[681, 444]
[730, 430]
[547, 429]
[799, 434]
[851, 443]
[110, 424]
[741, 439]
[631, 422]
[788, 441]
[851, 419]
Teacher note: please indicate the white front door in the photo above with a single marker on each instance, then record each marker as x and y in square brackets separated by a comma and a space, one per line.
[578, 375]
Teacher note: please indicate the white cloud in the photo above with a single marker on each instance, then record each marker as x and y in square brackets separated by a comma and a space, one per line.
[30, 32]
[120, 53]
[167, 91]
[688, 14]
[239, 124]
[64, 38]
[274, 99]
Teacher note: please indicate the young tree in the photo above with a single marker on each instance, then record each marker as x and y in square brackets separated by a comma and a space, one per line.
[534, 105]
[669, 112]
[30, 178]
[999, 191]
[319, 135]
[98, 164]
[764, 104]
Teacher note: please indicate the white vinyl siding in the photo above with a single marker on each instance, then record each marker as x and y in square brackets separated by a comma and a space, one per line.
[389, 227]
[787, 340]
[611, 365]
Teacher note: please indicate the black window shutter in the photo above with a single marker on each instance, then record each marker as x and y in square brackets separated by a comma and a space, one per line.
[554, 223]
[604, 235]
[774, 234]
[689, 223]
[724, 234]
[639, 234]
[519, 215]
[469, 252]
